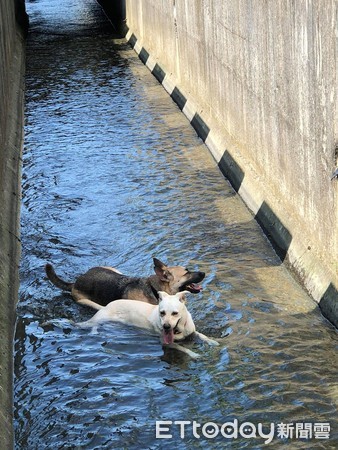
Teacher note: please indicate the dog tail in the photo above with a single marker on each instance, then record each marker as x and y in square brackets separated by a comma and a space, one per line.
[56, 280]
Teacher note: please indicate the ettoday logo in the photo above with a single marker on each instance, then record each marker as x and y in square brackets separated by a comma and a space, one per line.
[210, 430]
[247, 430]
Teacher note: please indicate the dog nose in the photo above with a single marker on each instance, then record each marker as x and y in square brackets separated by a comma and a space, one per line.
[202, 274]
[167, 326]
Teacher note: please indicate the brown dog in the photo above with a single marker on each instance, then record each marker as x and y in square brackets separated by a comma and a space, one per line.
[101, 285]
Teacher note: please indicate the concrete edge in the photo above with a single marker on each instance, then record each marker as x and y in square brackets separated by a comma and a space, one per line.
[307, 268]
[10, 198]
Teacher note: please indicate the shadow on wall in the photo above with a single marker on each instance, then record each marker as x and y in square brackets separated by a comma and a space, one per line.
[21, 16]
[116, 11]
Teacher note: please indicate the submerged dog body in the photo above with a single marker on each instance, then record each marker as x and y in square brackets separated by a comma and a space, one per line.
[170, 319]
[102, 285]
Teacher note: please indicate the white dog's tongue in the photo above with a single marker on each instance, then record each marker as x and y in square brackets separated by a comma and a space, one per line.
[168, 336]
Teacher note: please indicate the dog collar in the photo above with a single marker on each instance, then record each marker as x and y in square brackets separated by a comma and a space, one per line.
[175, 327]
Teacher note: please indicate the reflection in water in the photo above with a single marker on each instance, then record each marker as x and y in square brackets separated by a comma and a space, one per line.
[113, 175]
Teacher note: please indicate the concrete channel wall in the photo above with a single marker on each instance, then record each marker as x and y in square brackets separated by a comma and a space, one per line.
[13, 23]
[258, 81]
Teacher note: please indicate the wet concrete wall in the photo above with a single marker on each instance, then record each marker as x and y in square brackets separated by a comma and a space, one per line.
[258, 81]
[13, 22]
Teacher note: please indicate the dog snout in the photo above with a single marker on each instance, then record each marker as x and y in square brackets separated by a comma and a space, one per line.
[201, 275]
[166, 326]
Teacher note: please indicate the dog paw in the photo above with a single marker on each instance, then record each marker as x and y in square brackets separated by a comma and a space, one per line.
[213, 343]
[192, 354]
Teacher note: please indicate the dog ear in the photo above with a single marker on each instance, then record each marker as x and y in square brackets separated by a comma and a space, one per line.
[161, 270]
[182, 297]
[159, 264]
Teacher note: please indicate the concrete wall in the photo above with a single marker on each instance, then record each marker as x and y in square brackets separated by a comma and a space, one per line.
[12, 24]
[258, 80]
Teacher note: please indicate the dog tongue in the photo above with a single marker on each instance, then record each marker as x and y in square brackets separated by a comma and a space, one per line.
[194, 287]
[168, 336]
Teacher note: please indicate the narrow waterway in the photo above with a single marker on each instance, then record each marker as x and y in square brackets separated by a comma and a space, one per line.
[114, 175]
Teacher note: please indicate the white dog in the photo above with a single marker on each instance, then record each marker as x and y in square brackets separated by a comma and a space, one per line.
[170, 318]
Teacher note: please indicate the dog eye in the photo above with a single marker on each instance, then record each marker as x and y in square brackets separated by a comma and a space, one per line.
[162, 313]
[175, 313]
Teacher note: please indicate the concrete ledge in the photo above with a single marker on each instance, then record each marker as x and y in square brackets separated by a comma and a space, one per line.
[13, 22]
[302, 261]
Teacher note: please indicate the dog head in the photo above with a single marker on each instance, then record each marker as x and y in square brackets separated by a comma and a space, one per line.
[172, 315]
[178, 278]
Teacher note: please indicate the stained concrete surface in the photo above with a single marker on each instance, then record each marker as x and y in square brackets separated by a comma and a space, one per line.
[13, 24]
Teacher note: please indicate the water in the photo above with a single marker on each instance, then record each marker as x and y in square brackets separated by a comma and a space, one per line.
[114, 175]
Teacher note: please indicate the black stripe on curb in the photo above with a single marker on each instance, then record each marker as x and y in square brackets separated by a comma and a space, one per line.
[178, 98]
[132, 40]
[231, 170]
[158, 73]
[143, 55]
[200, 127]
[329, 304]
[277, 233]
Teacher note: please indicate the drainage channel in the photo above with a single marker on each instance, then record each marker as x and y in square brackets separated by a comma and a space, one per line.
[115, 175]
